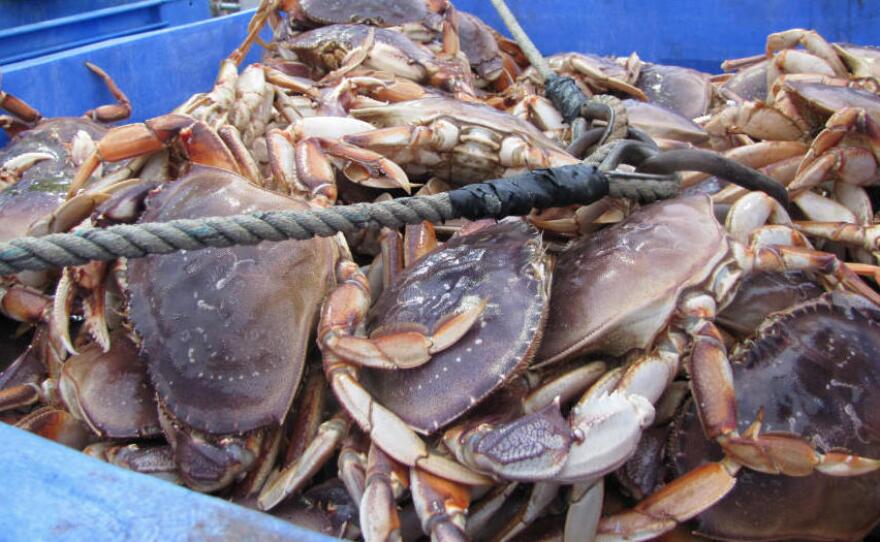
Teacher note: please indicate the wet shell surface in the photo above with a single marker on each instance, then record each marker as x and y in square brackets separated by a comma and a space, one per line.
[615, 290]
[503, 264]
[225, 331]
[43, 186]
[814, 370]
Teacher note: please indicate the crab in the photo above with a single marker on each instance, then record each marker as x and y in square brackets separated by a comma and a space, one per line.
[224, 383]
[430, 329]
[797, 106]
[455, 141]
[37, 164]
[817, 352]
[433, 23]
[489, 442]
[847, 150]
[107, 391]
[693, 277]
[335, 50]
[782, 56]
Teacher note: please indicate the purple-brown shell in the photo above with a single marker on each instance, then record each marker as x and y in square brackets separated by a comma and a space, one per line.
[831, 99]
[503, 264]
[762, 293]
[374, 12]
[814, 370]
[225, 331]
[479, 45]
[312, 45]
[683, 90]
[749, 84]
[43, 186]
[615, 291]
[660, 122]
[110, 390]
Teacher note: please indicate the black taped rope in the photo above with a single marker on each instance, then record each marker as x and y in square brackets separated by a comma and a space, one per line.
[538, 189]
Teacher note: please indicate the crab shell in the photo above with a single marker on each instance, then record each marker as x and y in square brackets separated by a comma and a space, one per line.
[225, 331]
[110, 390]
[375, 12]
[660, 122]
[683, 90]
[750, 83]
[828, 99]
[595, 303]
[814, 370]
[763, 293]
[503, 264]
[43, 186]
[326, 47]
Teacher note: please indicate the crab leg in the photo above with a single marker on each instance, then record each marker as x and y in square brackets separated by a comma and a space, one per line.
[292, 477]
[851, 164]
[353, 463]
[812, 42]
[783, 258]
[440, 504]
[386, 480]
[156, 461]
[12, 170]
[866, 237]
[20, 396]
[113, 112]
[678, 501]
[24, 116]
[58, 425]
[23, 304]
[305, 166]
[584, 511]
[542, 495]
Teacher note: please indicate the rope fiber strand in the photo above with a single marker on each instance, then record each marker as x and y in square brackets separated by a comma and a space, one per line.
[518, 195]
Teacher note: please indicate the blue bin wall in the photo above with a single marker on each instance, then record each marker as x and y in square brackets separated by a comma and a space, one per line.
[54, 26]
[157, 70]
[54, 493]
[697, 34]
[22, 12]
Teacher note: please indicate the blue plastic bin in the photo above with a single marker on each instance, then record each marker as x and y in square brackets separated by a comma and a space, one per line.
[29, 29]
[49, 492]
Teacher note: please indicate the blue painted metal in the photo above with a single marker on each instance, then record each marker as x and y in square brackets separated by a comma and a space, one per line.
[157, 70]
[67, 28]
[51, 492]
[18, 13]
[683, 32]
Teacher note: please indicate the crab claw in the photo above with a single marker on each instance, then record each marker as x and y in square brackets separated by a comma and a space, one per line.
[401, 348]
[607, 429]
[533, 447]
[601, 434]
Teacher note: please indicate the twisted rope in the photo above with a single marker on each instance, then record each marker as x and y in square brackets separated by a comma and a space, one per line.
[511, 196]
[139, 240]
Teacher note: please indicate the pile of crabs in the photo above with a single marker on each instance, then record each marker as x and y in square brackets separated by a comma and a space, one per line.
[707, 364]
